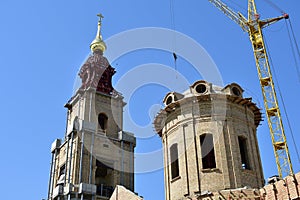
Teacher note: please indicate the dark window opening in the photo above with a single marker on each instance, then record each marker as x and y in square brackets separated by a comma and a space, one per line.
[61, 177]
[201, 88]
[236, 91]
[169, 100]
[174, 161]
[244, 152]
[62, 170]
[101, 170]
[102, 119]
[104, 179]
[207, 151]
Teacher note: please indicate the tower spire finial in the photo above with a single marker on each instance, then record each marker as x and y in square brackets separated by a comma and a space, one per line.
[98, 44]
[100, 17]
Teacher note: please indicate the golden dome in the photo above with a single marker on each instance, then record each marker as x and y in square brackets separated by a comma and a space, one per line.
[98, 43]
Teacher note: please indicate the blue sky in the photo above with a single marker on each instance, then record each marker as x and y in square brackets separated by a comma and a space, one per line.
[44, 43]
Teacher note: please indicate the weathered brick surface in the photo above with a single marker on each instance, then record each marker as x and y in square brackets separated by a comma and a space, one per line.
[285, 189]
[288, 188]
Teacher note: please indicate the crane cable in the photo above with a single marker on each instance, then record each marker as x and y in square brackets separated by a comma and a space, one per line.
[275, 6]
[296, 65]
[293, 43]
[291, 34]
[281, 98]
[238, 5]
[174, 36]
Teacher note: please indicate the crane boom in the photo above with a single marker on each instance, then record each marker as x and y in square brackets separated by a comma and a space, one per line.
[253, 25]
[236, 17]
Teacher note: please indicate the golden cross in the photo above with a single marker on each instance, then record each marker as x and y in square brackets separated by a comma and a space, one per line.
[100, 17]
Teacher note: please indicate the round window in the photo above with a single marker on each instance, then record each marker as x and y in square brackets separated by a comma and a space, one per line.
[201, 88]
[236, 91]
[169, 100]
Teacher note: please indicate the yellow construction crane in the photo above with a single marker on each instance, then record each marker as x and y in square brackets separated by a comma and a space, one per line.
[253, 25]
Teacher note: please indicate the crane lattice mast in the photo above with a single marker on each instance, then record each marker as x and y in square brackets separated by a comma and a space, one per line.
[253, 26]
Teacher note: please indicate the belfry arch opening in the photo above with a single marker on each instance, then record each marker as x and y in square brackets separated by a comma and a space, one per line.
[104, 179]
[102, 120]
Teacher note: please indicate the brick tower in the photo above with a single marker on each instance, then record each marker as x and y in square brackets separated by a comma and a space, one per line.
[95, 154]
[209, 140]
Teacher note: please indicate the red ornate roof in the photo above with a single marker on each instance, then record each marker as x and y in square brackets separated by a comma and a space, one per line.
[97, 73]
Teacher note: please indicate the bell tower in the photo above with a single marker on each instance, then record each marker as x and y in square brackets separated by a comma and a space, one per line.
[95, 154]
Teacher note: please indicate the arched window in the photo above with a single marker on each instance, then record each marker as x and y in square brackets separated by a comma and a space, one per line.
[244, 152]
[102, 120]
[207, 151]
[174, 161]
